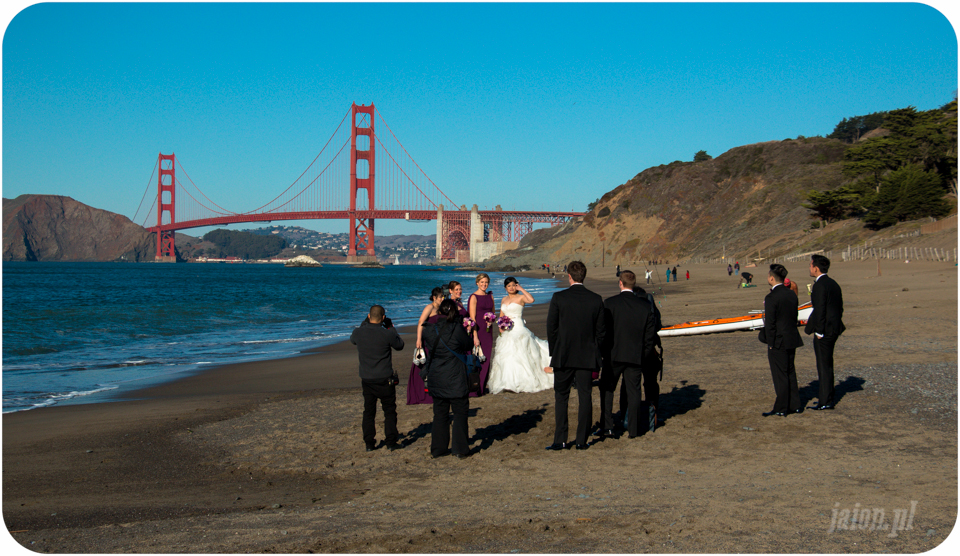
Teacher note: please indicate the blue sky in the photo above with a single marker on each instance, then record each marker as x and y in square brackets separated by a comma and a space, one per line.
[530, 106]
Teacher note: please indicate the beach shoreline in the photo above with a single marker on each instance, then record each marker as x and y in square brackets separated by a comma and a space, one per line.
[267, 456]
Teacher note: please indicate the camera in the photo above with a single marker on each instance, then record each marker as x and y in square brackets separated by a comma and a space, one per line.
[387, 323]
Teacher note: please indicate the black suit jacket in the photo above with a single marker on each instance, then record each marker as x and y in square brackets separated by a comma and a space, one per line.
[374, 343]
[780, 319]
[827, 315]
[631, 329]
[575, 328]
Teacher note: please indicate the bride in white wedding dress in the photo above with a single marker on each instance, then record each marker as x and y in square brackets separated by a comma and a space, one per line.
[521, 361]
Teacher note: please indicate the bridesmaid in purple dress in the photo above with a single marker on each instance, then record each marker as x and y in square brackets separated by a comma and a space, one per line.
[481, 302]
[416, 391]
[456, 292]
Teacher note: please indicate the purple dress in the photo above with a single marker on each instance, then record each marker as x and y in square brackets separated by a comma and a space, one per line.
[416, 390]
[484, 305]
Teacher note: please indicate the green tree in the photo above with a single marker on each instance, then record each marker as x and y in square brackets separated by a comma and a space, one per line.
[701, 156]
[907, 194]
[852, 129]
[833, 205]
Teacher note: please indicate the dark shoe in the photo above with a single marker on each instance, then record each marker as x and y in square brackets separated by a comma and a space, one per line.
[393, 446]
[609, 433]
[821, 407]
[777, 413]
[558, 447]
[582, 446]
[795, 411]
[371, 447]
[447, 453]
[462, 456]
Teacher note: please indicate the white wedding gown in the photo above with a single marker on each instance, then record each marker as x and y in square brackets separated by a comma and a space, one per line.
[519, 358]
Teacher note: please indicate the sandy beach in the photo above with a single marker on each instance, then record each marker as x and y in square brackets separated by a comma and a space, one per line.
[268, 456]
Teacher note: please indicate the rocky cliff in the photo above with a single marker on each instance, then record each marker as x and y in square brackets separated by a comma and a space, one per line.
[745, 200]
[56, 228]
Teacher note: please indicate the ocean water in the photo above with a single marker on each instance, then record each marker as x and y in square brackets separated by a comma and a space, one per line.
[92, 332]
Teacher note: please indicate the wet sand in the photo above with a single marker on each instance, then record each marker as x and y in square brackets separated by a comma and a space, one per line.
[267, 456]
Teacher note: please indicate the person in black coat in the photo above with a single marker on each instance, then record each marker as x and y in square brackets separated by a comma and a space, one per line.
[375, 338]
[782, 339]
[575, 333]
[445, 375]
[631, 336]
[826, 325]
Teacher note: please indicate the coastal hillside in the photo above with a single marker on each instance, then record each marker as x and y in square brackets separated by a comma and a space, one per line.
[57, 228]
[727, 205]
[747, 203]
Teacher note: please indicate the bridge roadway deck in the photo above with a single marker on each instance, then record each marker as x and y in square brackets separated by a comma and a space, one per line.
[527, 216]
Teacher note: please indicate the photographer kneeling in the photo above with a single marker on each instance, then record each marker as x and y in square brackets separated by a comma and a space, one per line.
[374, 338]
[445, 375]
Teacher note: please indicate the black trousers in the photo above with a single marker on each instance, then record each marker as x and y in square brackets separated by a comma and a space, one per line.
[563, 380]
[387, 394]
[784, 375]
[651, 388]
[823, 350]
[440, 438]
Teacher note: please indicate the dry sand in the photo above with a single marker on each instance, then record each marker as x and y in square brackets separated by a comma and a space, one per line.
[267, 457]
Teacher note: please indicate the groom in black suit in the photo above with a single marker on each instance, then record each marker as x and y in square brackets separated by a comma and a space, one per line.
[826, 325]
[782, 339]
[575, 332]
[631, 335]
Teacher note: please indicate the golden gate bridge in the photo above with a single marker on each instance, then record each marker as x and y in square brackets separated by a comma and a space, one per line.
[375, 178]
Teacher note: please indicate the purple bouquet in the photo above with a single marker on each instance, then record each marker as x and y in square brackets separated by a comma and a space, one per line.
[504, 323]
[490, 318]
[468, 323]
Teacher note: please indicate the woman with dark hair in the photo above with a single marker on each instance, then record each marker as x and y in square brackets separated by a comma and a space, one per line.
[782, 339]
[480, 303]
[445, 375]
[455, 291]
[522, 361]
[416, 393]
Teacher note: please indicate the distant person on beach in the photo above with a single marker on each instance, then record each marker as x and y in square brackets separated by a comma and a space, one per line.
[648, 274]
[631, 335]
[688, 275]
[479, 304]
[618, 271]
[521, 361]
[668, 275]
[826, 325]
[674, 274]
[575, 332]
[375, 338]
[736, 267]
[782, 339]
[445, 375]
[416, 392]
[729, 270]
[745, 279]
[792, 284]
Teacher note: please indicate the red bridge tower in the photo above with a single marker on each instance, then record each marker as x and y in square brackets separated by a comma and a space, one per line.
[361, 229]
[166, 183]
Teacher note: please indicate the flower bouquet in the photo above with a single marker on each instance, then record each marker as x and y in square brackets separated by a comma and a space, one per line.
[490, 318]
[468, 323]
[504, 323]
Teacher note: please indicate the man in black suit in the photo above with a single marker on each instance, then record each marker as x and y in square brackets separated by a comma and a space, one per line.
[575, 332]
[826, 325]
[375, 338]
[782, 339]
[631, 334]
